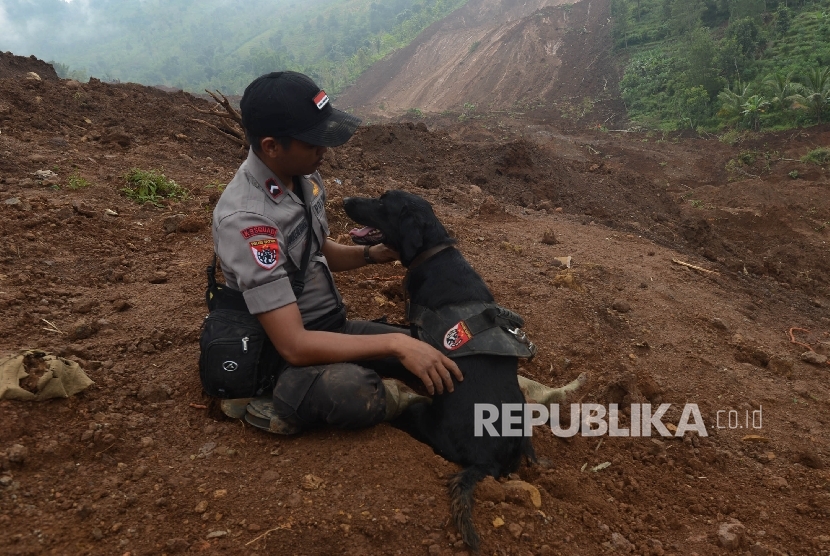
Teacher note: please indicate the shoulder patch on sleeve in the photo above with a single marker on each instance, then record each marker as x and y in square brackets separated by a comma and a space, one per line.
[248, 233]
[273, 187]
[266, 252]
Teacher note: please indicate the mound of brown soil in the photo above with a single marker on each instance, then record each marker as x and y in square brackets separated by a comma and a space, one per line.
[12, 66]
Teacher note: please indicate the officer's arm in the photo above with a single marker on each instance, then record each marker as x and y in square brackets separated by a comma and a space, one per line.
[301, 348]
[346, 257]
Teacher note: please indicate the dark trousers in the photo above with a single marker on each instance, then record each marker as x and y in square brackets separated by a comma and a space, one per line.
[345, 395]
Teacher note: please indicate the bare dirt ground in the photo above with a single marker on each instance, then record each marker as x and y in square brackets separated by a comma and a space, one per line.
[137, 465]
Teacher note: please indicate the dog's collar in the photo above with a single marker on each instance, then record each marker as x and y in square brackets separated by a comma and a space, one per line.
[425, 255]
[417, 261]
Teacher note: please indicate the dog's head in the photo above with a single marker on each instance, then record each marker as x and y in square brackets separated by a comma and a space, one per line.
[401, 220]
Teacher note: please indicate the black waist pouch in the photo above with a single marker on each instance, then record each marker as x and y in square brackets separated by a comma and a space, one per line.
[237, 360]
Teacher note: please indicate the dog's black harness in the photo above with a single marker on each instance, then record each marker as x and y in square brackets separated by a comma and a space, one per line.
[471, 328]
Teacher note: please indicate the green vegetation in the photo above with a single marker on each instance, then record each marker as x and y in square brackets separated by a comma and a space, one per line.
[820, 156]
[219, 44]
[724, 64]
[151, 186]
[77, 182]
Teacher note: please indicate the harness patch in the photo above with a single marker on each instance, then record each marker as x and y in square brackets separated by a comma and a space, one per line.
[457, 336]
[315, 190]
[273, 187]
[248, 233]
[266, 252]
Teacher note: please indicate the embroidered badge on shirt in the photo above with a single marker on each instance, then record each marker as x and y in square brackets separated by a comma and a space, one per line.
[248, 233]
[273, 188]
[457, 336]
[320, 100]
[315, 190]
[266, 252]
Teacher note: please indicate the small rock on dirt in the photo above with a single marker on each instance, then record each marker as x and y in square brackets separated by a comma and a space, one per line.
[621, 306]
[81, 330]
[217, 534]
[120, 305]
[524, 493]
[490, 490]
[428, 181]
[171, 223]
[719, 324]
[515, 530]
[190, 225]
[549, 238]
[84, 306]
[813, 358]
[811, 459]
[17, 454]
[201, 507]
[620, 543]
[153, 393]
[731, 534]
[83, 209]
[159, 277]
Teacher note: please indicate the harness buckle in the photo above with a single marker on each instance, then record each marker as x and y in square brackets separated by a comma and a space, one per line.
[521, 337]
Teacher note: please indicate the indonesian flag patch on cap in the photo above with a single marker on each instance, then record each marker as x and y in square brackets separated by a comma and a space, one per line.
[321, 99]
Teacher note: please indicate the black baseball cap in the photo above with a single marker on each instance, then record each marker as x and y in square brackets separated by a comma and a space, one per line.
[290, 104]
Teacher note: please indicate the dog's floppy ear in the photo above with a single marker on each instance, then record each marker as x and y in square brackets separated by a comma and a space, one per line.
[412, 235]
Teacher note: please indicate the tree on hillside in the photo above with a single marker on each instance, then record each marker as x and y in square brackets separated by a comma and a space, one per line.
[782, 89]
[753, 108]
[700, 59]
[738, 47]
[619, 18]
[814, 91]
[733, 99]
[685, 16]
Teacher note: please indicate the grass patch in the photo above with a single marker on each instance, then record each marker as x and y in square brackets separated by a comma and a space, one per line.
[77, 182]
[151, 186]
[820, 156]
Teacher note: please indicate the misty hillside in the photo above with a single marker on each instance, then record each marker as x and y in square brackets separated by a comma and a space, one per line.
[214, 43]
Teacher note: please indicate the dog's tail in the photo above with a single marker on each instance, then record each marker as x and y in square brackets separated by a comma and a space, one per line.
[462, 486]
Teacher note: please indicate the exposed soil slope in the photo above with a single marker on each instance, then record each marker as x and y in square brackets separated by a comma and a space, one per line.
[496, 55]
[137, 465]
[17, 66]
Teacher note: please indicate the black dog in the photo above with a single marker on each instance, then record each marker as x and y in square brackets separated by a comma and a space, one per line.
[439, 276]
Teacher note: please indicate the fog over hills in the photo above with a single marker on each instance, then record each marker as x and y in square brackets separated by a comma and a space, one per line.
[213, 43]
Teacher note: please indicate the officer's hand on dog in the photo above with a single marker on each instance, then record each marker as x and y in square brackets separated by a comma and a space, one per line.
[434, 369]
[383, 253]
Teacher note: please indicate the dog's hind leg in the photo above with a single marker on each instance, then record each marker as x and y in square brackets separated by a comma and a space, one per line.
[462, 485]
[539, 393]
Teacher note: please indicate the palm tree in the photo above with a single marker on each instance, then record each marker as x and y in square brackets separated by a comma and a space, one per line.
[733, 100]
[753, 108]
[782, 88]
[814, 92]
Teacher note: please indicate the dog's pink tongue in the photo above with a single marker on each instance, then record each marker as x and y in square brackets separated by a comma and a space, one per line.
[361, 232]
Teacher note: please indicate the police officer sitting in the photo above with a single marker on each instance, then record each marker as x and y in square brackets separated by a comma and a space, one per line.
[260, 230]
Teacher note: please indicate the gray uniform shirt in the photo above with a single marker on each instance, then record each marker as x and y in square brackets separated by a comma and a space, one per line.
[259, 234]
